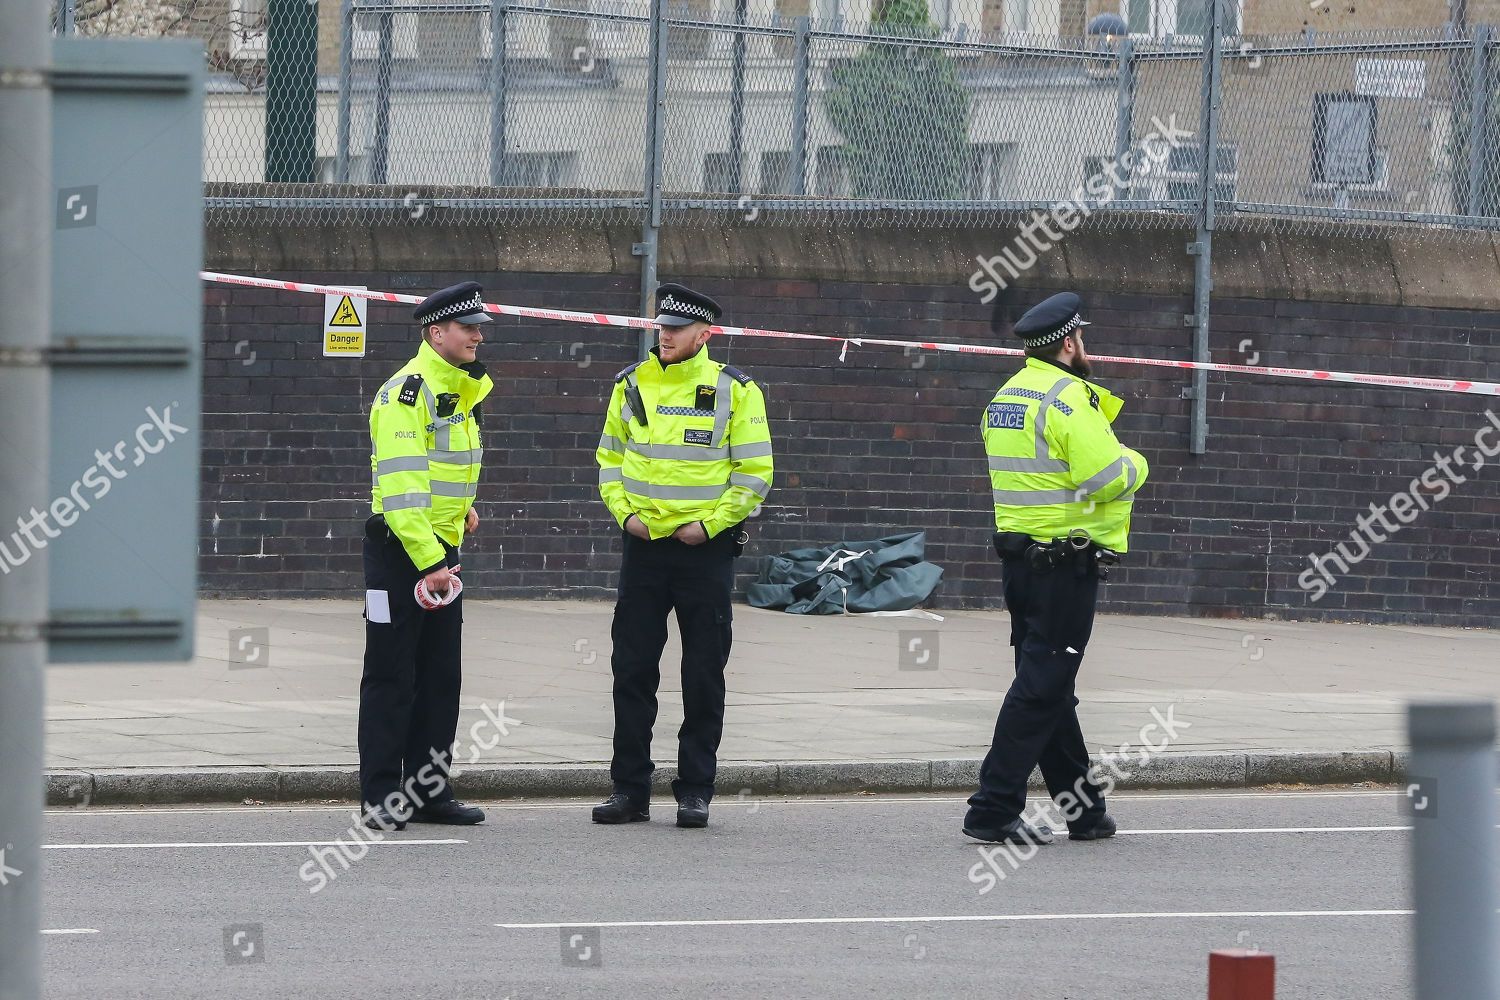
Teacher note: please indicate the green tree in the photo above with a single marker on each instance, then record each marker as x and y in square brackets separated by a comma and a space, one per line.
[903, 114]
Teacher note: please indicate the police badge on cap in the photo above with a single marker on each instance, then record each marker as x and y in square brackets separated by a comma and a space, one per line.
[463, 302]
[678, 305]
[1050, 320]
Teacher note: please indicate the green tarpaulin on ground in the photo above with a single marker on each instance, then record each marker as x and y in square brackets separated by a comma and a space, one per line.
[889, 574]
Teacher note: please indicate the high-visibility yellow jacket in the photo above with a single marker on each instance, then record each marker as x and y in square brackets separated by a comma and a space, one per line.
[1055, 463]
[699, 451]
[425, 452]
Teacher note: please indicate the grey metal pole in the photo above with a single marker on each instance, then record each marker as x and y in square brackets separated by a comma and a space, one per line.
[737, 103]
[801, 66]
[1451, 796]
[1203, 248]
[346, 89]
[656, 112]
[385, 55]
[26, 206]
[1479, 122]
[1125, 99]
[67, 24]
[498, 67]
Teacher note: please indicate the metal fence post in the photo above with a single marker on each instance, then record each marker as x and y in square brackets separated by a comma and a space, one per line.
[498, 68]
[1479, 121]
[737, 102]
[1125, 99]
[801, 61]
[346, 83]
[1451, 796]
[656, 112]
[380, 154]
[26, 203]
[1203, 281]
[66, 24]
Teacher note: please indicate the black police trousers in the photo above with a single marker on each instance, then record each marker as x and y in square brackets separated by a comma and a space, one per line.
[1051, 618]
[408, 698]
[657, 577]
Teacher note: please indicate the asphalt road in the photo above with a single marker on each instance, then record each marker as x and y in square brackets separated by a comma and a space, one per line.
[861, 896]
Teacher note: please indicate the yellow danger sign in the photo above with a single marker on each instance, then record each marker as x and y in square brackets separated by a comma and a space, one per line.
[344, 325]
[345, 314]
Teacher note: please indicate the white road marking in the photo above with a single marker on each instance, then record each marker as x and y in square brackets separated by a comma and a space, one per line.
[967, 918]
[249, 843]
[70, 930]
[1270, 829]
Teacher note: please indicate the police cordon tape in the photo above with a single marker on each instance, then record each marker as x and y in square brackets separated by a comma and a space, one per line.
[606, 319]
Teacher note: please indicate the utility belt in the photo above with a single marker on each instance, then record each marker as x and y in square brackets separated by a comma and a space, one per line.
[1077, 549]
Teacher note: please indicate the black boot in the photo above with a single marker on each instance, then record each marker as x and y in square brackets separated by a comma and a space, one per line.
[448, 813]
[692, 812]
[1101, 830]
[1017, 831]
[619, 808]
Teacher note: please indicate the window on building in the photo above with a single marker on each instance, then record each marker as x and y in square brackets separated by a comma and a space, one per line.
[832, 177]
[541, 169]
[775, 172]
[247, 29]
[1160, 18]
[1181, 177]
[992, 171]
[718, 174]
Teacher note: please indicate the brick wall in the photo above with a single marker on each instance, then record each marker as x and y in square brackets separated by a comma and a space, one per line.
[882, 442]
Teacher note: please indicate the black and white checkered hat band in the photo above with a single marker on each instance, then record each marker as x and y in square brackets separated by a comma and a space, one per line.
[672, 305]
[1055, 335]
[473, 304]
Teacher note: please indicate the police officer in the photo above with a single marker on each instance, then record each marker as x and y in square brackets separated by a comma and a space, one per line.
[684, 458]
[1063, 488]
[424, 435]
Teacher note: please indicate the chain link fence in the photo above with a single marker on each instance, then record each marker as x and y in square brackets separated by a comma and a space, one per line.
[831, 112]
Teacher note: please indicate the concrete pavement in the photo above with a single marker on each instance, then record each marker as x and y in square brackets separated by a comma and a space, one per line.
[267, 709]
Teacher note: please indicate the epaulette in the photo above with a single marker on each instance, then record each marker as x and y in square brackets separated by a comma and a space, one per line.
[737, 375]
[626, 371]
[410, 388]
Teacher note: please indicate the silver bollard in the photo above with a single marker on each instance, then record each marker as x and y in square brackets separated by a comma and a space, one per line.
[1450, 795]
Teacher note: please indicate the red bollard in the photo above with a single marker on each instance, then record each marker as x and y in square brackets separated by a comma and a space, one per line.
[1241, 974]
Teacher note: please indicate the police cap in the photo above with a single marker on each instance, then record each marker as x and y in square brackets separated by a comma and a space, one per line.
[678, 305]
[1050, 320]
[463, 302]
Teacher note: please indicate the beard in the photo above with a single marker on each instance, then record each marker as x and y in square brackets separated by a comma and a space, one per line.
[1082, 368]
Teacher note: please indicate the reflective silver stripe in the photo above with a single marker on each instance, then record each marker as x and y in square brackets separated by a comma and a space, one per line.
[759, 449]
[626, 414]
[998, 464]
[722, 409]
[405, 501]
[656, 492]
[1032, 498]
[611, 443]
[610, 476]
[406, 463]
[470, 457]
[1042, 451]
[755, 484]
[442, 489]
[1131, 475]
[680, 452]
[389, 386]
[1093, 484]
